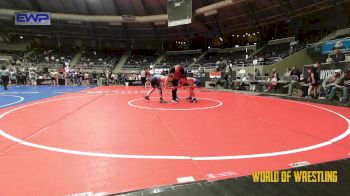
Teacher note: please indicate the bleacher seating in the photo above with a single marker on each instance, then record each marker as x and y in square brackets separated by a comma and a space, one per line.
[273, 53]
[142, 57]
[179, 59]
[231, 57]
[92, 59]
[16, 55]
[51, 56]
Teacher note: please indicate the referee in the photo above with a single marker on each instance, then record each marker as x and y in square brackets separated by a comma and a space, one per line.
[178, 72]
[5, 76]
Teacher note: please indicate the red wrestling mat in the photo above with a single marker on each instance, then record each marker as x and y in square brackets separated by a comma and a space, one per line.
[110, 139]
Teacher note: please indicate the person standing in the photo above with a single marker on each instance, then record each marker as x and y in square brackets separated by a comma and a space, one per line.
[32, 77]
[13, 77]
[178, 73]
[5, 76]
[143, 77]
[314, 80]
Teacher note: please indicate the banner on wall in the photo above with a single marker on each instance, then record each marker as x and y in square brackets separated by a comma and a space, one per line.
[215, 75]
[344, 45]
[32, 18]
[328, 69]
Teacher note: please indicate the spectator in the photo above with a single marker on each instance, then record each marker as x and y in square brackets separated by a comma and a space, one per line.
[94, 78]
[244, 82]
[255, 78]
[291, 50]
[226, 78]
[143, 77]
[80, 76]
[32, 77]
[295, 72]
[328, 83]
[288, 72]
[53, 77]
[13, 77]
[19, 77]
[273, 84]
[86, 79]
[5, 76]
[338, 55]
[342, 83]
[24, 76]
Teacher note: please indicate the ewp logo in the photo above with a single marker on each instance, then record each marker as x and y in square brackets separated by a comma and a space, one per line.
[33, 18]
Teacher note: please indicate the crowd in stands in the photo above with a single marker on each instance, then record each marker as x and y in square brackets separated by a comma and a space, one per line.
[16, 55]
[273, 51]
[142, 57]
[51, 56]
[235, 58]
[183, 59]
[93, 59]
[141, 60]
[64, 75]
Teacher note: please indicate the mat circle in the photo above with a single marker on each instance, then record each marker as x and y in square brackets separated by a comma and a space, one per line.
[218, 104]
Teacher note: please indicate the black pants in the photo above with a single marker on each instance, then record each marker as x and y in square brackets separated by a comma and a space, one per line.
[143, 80]
[175, 83]
[5, 81]
[24, 80]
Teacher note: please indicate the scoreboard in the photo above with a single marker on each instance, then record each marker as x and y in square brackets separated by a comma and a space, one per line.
[179, 12]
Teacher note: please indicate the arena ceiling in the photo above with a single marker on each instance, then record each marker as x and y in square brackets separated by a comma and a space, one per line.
[242, 15]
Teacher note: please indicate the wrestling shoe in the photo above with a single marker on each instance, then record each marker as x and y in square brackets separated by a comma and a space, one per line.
[162, 101]
[147, 97]
[194, 100]
[189, 98]
[175, 101]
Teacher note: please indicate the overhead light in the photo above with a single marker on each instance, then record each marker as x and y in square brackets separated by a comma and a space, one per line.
[237, 35]
[233, 35]
[243, 35]
[208, 47]
[258, 32]
[253, 33]
[220, 38]
[246, 33]
[255, 43]
[237, 46]
[21, 37]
